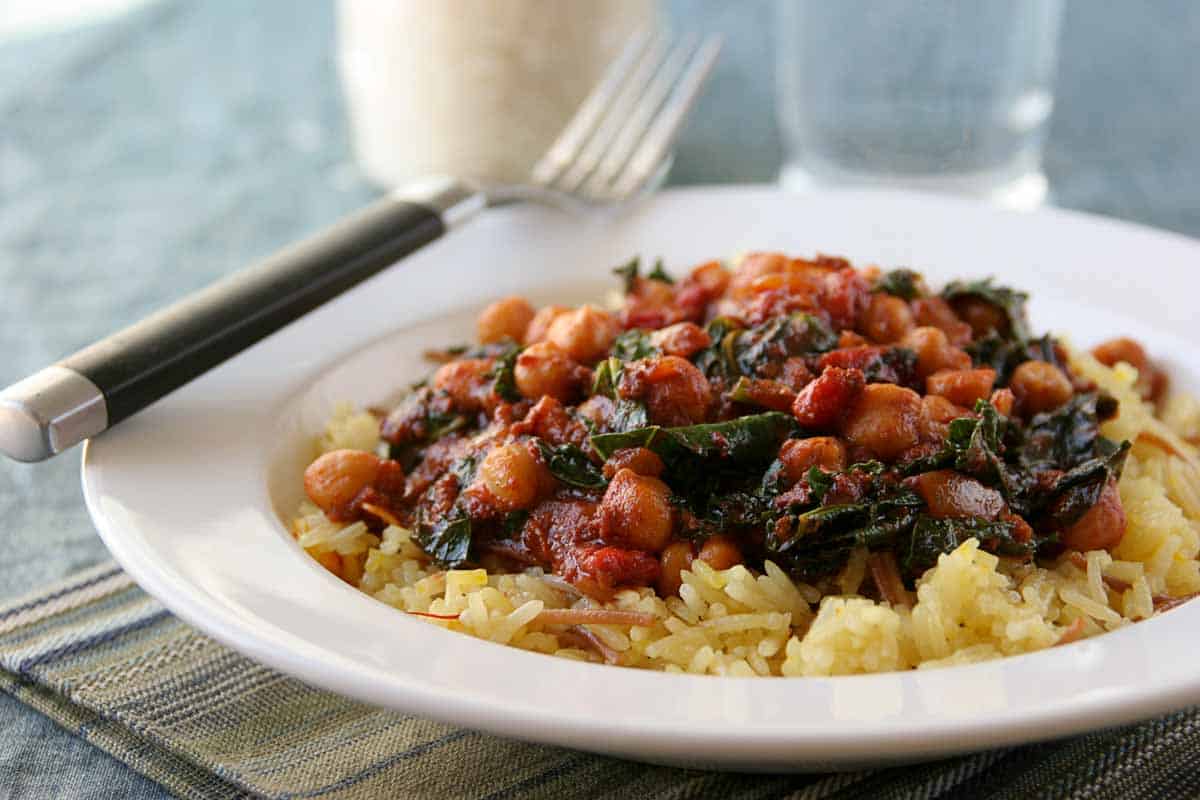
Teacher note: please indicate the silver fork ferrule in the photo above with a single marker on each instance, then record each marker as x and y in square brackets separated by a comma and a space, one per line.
[453, 199]
[48, 412]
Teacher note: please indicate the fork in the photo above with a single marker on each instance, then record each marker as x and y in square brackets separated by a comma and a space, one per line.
[615, 148]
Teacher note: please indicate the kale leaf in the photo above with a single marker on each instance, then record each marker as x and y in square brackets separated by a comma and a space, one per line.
[1004, 355]
[745, 440]
[1066, 436]
[628, 272]
[634, 345]
[1010, 301]
[659, 273]
[903, 283]
[628, 415]
[893, 365]
[780, 338]
[607, 377]
[932, 537]
[503, 373]
[1075, 492]
[447, 541]
[718, 360]
[571, 465]
[817, 543]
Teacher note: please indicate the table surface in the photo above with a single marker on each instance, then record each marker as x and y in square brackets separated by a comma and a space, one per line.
[145, 156]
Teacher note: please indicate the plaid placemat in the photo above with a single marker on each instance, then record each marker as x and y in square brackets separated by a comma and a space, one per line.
[110, 664]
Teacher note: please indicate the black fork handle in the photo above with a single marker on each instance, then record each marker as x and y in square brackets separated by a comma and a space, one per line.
[111, 380]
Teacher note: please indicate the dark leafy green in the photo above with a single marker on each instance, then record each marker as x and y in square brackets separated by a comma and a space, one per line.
[628, 272]
[606, 378]
[659, 273]
[1005, 354]
[903, 283]
[447, 541]
[464, 470]
[818, 542]
[513, 522]
[820, 482]
[571, 465]
[1010, 301]
[893, 365]
[633, 345]
[503, 374]
[931, 537]
[1067, 436]
[718, 359]
[628, 415]
[1075, 492]
[778, 339]
[744, 440]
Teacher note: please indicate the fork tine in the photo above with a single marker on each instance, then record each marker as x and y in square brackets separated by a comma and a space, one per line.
[641, 117]
[566, 147]
[615, 116]
[657, 142]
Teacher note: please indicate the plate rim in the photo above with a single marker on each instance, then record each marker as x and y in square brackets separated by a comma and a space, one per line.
[948, 736]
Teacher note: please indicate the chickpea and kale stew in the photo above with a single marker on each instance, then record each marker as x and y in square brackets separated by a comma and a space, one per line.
[788, 410]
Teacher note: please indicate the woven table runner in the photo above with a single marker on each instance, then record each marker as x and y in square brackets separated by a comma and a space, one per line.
[110, 664]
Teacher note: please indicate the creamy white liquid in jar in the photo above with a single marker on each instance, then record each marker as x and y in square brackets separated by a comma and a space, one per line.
[472, 88]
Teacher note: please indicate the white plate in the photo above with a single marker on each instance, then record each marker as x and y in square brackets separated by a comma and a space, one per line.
[191, 495]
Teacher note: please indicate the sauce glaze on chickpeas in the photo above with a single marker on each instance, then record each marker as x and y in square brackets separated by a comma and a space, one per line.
[731, 417]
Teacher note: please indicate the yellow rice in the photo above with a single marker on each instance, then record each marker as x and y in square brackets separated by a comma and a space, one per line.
[971, 607]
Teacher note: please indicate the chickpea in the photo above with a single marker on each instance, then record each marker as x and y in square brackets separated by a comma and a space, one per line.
[886, 318]
[674, 390]
[796, 374]
[710, 276]
[720, 552]
[848, 339]
[753, 267]
[513, 475]
[639, 459]
[801, 455]
[596, 409]
[540, 324]
[1003, 400]
[507, 318]
[1102, 527]
[584, 334]
[1152, 381]
[683, 339]
[937, 313]
[543, 369]
[466, 381]
[637, 510]
[336, 478]
[653, 292]
[1121, 349]
[961, 386]
[675, 558]
[982, 316]
[1040, 386]
[884, 419]
[934, 351]
[951, 494]
[939, 409]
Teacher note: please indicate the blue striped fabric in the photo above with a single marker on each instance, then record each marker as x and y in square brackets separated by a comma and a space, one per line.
[108, 663]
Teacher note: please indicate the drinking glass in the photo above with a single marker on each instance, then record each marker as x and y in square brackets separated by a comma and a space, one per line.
[938, 95]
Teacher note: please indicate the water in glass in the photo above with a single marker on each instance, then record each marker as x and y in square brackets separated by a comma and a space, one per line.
[940, 95]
